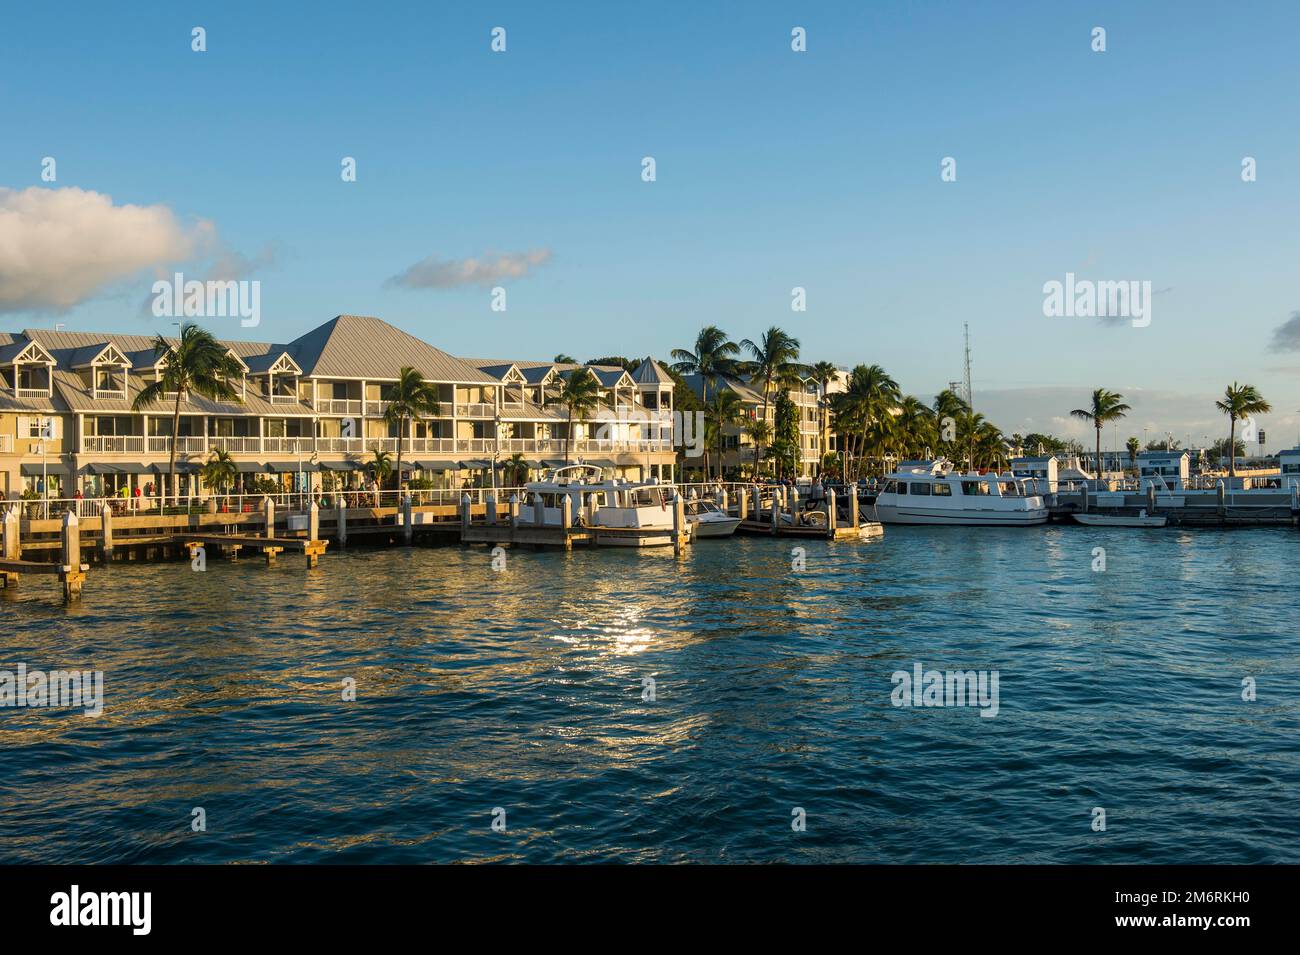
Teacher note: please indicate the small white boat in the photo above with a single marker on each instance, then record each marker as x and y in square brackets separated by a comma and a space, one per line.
[1121, 520]
[625, 513]
[710, 520]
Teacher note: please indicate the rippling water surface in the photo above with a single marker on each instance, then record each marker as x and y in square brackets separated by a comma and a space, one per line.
[523, 690]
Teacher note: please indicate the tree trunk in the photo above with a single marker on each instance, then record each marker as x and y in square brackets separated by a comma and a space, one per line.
[171, 467]
[1099, 457]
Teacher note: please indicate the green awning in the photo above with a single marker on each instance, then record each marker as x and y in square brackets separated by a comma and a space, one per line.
[182, 467]
[442, 465]
[477, 464]
[341, 466]
[250, 467]
[290, 467]
[51, 467]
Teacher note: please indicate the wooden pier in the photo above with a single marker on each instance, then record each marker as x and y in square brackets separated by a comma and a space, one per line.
[782, 517]
[69, 569]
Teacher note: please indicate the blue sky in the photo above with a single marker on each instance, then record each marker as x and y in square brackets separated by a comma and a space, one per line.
[775, 169]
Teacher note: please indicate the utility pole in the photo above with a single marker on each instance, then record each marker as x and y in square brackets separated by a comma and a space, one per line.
[970, 398]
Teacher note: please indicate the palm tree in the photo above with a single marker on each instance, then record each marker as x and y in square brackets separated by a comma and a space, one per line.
[517, 470]
[1134, 446]
[870, 398]
[1239, 402]
[714, 356]
[824, 373]
[772, 355]
[411, 399]
[725, 409]
[1107, 406]
[380, 465]
[759, 432]
[580, 396]
[197, 364]
[563, 359]
[219, 471]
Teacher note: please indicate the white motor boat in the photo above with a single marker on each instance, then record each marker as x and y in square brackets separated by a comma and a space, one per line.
[939, 495]
[1141, 519]
[710, 520]
[626, 513]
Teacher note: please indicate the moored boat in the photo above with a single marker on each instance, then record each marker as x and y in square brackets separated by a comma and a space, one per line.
[938, 495]
[1141, 519]
[710, 520]
[623, 513]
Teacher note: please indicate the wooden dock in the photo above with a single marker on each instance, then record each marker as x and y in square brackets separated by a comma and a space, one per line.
[232, 544]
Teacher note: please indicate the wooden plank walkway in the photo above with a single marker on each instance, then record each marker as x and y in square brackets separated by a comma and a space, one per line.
[269, 546]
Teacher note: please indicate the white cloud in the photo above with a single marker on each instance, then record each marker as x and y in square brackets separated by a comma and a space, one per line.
[59, 247]
[494, 268]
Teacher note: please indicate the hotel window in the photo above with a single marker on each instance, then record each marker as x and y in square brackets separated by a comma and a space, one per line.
[39, 428]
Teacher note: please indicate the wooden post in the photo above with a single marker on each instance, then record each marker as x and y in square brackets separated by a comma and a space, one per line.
[105, 532]
[1221, 496]
[742, 503]
[680, 528]
[852, 492]
[466, 511]
[408, 529]
[775, 514]
[1151, 498]
[342, 525]
[13, 549]
[72, 575]
[539, 510]
[491, 507]
[831, 514]
[268, 508]
[793, 499]
[313, 522]
[514, 510]
[566, 519]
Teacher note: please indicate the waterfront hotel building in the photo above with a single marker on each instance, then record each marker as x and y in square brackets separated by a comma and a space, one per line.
[310, 410]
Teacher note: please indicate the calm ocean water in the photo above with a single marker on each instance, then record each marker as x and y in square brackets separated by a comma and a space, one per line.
[523, 690]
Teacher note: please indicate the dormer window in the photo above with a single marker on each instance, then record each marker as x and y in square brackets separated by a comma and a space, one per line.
[33, 372]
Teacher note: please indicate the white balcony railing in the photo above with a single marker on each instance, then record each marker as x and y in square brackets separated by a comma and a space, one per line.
[287, 445]
[234, 445]
[113, 443]
[33, 392]
[339, 406]
[161, 444]
[340, 445]
[282, 399]
[475, 410]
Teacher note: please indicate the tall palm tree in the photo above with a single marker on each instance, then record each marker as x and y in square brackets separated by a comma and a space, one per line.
[758, 432]
[196, 364]
[1239, 402]
[772, 355]
[726, 408]
[580, 396]
[219, 471]
[410, 399]
[1133, 445]
[824, 373]
[870, 398]
[563, 359]
[1107, 406]
[714, 356]
[916, 426]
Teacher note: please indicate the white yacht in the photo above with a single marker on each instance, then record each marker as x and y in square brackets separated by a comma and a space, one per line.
[628, 513]
[710, 520]
[938, 495]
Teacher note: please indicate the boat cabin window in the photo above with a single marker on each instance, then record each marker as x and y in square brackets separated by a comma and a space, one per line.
[942, 489]
[974, 488]
[1009, 489]
[921, 487]
[891, 487]
[645, 497]
[595, 498]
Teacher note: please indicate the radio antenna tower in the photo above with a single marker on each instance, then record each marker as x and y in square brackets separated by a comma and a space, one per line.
[970, 399]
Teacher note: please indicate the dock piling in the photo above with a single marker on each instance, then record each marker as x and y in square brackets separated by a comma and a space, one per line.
[268, 508]
[466, 514]
[831, 514]
[539, 510]
[680, 529]
[566, 519]
[408, 529]
[853, 507]
[341, 524]
[72, 574]
[514, 510]
[105, 533]
[491, 507]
